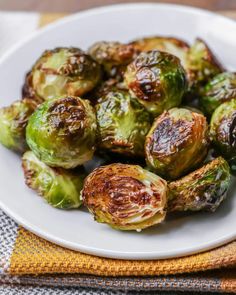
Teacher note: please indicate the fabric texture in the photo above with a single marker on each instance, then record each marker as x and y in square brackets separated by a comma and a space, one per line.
[38, 265]
[33, 255]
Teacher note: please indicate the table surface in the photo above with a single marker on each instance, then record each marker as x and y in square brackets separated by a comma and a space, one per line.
[68, 6]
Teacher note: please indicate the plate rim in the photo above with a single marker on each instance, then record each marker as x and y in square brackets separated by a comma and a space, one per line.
[93, 250]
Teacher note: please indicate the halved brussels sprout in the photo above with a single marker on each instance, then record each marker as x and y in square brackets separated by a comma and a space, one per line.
[13, 121]
[62, 132]
[60, 188]
[177, 142]
[223, 131]
[62, 71]
[113, 56]
[157, 79]
[218, 90]
[126, 197]
[122, 123]
[171, 45]
[203, 189]
[201, 64]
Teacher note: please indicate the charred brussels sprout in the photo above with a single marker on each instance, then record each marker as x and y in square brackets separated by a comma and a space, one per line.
[218, 90]
[122, 123]
[62, 71]
[113, 56]
[223, 131]
[13, 121]
[126, 197]
[59, 187]
[62, 132]
[177, 142]
[157, 79]
[203, 189]
[171, 45]
[201, 65]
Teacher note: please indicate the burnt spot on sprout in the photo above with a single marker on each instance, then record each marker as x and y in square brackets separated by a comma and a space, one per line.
[170, 136]
[232, 131]
[78, 64]
[147, 84]
[226, 130]
[67, 113]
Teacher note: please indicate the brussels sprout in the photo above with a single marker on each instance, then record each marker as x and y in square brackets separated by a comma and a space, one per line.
[177, 142]
[218, 90]
[13, 121]
[223, 131]
[122, 123]
[157, 79]
[59, 187]
[62, 132]
[203, 189]
[171, 45]
[110, 85]
[201, 64]
[113, 56]
[62, 71]
[126, 197]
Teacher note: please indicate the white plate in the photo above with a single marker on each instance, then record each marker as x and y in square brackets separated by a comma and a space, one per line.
[76, 229]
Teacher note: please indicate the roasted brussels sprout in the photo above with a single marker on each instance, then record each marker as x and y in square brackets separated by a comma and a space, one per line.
[171, 45]
[126, 197]
[218, 90]
[122, 123]
[60, 188]
[223, 131]
[110, 85]
[13, 121]
[157, 79]
[62, 71]
[113, 56]
[177, 142]
[203, 189]
[62, 132]
[201, 65]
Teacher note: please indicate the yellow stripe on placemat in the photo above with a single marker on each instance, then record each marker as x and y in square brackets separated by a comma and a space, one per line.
[33, 255]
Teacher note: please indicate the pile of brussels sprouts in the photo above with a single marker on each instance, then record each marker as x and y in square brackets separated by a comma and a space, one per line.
[152, 111]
